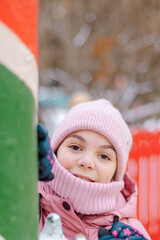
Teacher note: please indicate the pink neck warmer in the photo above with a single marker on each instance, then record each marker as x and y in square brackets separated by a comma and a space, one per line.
[86, 197]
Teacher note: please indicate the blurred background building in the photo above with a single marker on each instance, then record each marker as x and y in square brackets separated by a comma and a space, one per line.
[100, 49]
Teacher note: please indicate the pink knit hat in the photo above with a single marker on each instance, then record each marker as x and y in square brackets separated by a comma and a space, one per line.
[99, 116]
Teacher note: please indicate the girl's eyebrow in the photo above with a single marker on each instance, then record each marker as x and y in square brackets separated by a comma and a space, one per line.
[107, 147]
[78, 137]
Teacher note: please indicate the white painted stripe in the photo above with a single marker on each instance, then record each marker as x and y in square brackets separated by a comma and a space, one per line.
[15, 55]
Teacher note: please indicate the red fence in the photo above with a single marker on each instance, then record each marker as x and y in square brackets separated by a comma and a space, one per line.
[144, 168]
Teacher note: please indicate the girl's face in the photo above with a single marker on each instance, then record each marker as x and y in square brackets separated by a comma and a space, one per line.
[89, 156]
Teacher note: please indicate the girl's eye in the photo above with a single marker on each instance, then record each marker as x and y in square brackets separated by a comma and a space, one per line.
[104, 156]
[75, 147]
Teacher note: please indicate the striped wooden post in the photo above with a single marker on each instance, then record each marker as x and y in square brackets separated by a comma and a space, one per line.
[18, 107]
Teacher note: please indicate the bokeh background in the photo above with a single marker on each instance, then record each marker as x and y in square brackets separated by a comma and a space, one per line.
[102, 49]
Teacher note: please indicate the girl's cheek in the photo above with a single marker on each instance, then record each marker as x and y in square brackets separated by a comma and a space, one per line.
[66, 163]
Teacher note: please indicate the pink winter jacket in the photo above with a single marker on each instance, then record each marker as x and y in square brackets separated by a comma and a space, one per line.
[53, 199]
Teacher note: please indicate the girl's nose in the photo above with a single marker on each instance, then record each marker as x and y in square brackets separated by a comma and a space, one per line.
[86, 162]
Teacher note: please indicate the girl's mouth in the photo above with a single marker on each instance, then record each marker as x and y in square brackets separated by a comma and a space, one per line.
[84, 178]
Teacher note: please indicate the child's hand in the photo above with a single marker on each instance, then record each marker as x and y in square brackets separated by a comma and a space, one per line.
[119, 231]
[45, 155]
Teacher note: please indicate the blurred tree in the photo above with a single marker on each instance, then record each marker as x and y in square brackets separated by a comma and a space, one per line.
[108, 48]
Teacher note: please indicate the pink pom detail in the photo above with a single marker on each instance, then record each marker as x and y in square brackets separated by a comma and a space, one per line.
[127, 231]
[115, 233]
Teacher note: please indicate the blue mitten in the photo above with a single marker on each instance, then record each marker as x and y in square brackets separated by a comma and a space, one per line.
[120, 231]
[45, 155]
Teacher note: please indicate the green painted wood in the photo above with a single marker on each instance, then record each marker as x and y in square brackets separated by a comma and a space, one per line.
[18, 160]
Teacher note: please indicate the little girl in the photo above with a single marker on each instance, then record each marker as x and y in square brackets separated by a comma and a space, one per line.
[91, 186]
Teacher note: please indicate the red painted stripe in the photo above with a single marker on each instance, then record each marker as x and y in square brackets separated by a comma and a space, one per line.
[21, 16]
